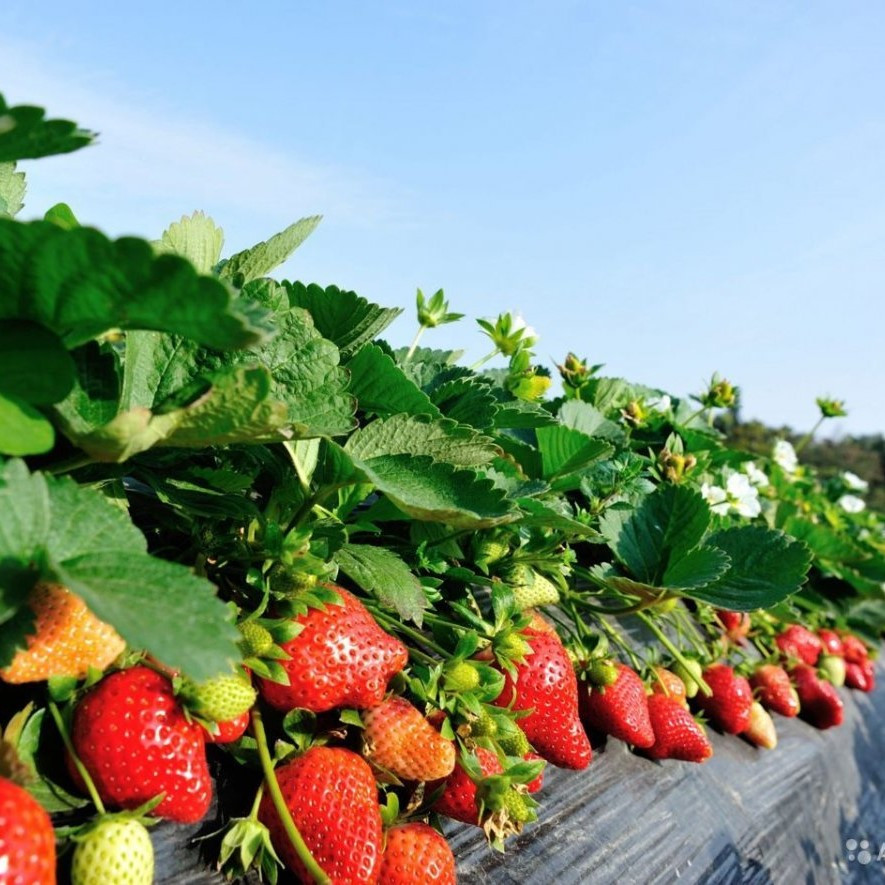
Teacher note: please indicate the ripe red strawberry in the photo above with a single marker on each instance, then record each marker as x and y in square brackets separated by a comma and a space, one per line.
[68, 638]
[821, 704]
[228, 731]
[761, 730]
[333, 800]
[135, 741]
[800, 643]
[538, 782]
[772, 686]
[415, 852]
[677, 734]
[832, 644]
[458, 799]
[854, 650]
[27, 840]
[545, 683]
[398, 738]
[341, 658]
[619, 709]
[667, 682]
[735, 625]
[860, 676]
[729, 705]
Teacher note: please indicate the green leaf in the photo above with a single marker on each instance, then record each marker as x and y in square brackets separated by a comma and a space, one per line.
[663, 528]
[159, 606]
[696, 568]
[196, 237]
[25, 134]
[34, 364]
[766, 567]
[80, 285]
[261, 259]
[61, 215]
[12, 190]
[588, 419]
[825, 543]
[341, 316]
[565, 451]
[440, 439]
[384, 575]
[25, 514]
[464, 397]
[381, 387]
[23, 430]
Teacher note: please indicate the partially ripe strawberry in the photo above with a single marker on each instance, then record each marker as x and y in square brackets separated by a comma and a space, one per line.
[341, 658]
[664, 681]
[398, 738]
[729, 705]
[832, 668]
[416, 853]
[854, 649]
[799, 643]
[832, 644]
[68, 639]
[229, 731]
[136, 742]
[333, 800]
[689, 674]
[116, 850]
[860, 676]
[735, 625]
[761, 730]
[774, 689]
[27, 840]
[677, 735]
[619, 709]
[821, 704]
[545, 684]
[458, 799]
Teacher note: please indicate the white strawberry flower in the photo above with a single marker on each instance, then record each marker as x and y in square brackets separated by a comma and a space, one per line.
[851, 503]
[756, 476]
[529, 336]
[854, 482]
[785, 455]
[661, 403]
[716, 497]
[742, 496]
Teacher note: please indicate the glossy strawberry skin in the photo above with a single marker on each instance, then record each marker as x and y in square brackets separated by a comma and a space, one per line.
[860, 676]
[399, 739]
[416, 853]
[854, 650]
[666, 682]
[772, 685]
[458, 799]
[135, 741]
[333, 799]
[341, 658]
[832, 644]
[736, 625]
[619, 709]
[821, 705]
[545, 683]
[676, 733]
[229, 731]
[800, 643]
[27, 840]
[729, 705]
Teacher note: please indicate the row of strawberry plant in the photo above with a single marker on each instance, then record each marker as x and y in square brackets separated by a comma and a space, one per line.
[235, 521]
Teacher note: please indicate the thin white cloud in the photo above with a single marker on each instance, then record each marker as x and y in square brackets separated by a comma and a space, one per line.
[153, 163]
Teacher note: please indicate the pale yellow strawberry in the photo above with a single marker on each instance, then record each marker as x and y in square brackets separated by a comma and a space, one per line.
[761, 730]
[69, 639]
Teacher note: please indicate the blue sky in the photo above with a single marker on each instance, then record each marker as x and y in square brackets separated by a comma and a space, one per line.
[670, 188]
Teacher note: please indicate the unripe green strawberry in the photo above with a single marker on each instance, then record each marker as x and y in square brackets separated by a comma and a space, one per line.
[533, 590]
[514, 743]
[490, 550]
[484, 725]
[602, 672]
[833, 669]
[689, 675]
[256, 641]
[219, 699]
[117, 851]
[461, 677]
[518, 807]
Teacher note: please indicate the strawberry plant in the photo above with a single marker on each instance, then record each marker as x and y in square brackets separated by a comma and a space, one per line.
[350, 569]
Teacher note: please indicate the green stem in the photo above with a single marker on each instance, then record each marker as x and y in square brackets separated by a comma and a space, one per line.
[81, 768]
[259, 795]
[484, 360]
[70, 465]
[444, 622]
[276, 795]
[415, 340]
[808, 436]
[694, 415]
[665, 641]
[615, 637]
[411, 632]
